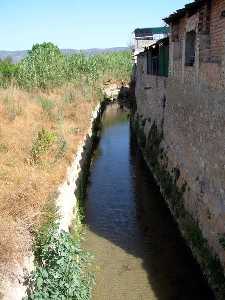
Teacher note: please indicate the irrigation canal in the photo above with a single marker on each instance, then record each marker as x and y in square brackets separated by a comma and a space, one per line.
[138, 250]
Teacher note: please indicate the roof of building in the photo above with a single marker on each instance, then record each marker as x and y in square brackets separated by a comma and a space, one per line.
[142, 32]
[161, 42]
[188, 9]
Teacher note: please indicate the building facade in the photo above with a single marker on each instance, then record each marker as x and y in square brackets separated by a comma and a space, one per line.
[180, 121]
[144, 37]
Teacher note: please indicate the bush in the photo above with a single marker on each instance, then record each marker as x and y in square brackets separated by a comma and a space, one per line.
[7, 72]
[46, 104]
[42, 143]
[61, 268]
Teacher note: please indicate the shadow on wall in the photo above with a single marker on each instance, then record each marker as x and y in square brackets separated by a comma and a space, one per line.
[126, 96]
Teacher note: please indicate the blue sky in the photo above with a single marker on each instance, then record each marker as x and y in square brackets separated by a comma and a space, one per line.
[76, 23]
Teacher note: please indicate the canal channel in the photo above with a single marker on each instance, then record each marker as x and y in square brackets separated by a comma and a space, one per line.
[139, 252]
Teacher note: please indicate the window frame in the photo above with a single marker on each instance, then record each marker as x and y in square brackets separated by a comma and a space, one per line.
[190, 48]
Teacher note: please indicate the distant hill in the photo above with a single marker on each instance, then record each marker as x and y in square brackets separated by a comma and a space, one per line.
[18, 55]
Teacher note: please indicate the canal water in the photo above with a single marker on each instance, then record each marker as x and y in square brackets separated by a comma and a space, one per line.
[139, 253]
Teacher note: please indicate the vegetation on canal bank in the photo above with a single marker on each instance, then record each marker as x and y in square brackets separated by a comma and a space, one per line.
[46, 102]
[61, 267]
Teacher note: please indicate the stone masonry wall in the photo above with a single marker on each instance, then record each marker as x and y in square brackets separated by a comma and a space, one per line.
[209, 67]
[180, 127]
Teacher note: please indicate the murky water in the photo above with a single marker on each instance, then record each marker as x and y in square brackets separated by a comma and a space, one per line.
[138, 250]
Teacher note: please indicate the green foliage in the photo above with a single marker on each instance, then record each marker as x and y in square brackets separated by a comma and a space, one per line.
[7, 72]
[78, 66]
[46, 104]
[41, 144]
[46, 67]
[61, 268]
[42, 68]
[116, 65]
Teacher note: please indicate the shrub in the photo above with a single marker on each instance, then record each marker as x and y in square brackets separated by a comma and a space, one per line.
[61, 268]
[42, 143]
[7, 72]
[46, 104]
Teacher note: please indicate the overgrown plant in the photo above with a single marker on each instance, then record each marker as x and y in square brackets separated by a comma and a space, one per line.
[7, 72]
[41, 144]
[61, 270]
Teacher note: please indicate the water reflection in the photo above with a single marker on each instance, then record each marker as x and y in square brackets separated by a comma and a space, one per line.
[139, 251]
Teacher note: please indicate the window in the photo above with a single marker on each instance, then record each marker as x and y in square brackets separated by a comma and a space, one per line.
[157, 59]
[190, 48]
[152, 64]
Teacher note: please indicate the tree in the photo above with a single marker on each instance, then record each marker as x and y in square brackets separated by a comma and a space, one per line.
[42, 67]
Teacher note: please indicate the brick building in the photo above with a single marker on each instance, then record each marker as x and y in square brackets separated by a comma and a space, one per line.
[197, 43]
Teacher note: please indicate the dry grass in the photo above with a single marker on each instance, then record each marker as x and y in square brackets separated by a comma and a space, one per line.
[27, 184]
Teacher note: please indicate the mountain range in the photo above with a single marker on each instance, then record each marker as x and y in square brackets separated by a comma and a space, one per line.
[18, 55]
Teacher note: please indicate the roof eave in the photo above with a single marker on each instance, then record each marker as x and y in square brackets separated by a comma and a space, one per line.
[188, 9]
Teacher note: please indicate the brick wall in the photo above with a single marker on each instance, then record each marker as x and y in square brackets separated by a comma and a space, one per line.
[209, 67]
[217, 31]
[189, 108]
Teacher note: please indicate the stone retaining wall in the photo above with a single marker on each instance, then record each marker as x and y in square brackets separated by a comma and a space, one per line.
[180, 127]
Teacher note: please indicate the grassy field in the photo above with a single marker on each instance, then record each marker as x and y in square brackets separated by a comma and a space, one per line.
[46, 103]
